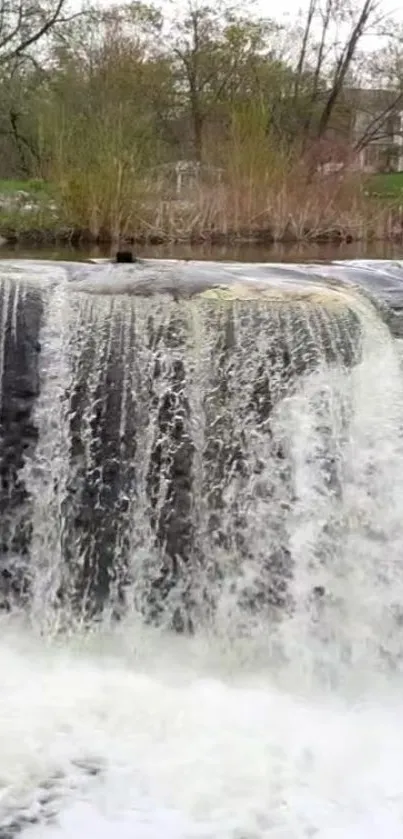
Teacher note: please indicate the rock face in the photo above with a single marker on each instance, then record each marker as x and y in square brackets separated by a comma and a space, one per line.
[173, 470]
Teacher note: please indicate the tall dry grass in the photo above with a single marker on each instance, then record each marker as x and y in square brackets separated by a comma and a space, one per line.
[112, 185]
[292, 212]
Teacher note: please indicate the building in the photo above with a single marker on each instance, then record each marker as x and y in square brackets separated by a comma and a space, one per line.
[376, 129]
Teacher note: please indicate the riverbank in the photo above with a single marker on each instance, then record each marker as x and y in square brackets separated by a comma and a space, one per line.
[330, 211]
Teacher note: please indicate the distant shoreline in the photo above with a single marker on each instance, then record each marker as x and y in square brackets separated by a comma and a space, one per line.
[75, 237]
[332, 212]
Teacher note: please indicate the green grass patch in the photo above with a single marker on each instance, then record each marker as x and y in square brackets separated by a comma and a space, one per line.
[36, 213]
[34, 186]
[34, 209]
[388, 185]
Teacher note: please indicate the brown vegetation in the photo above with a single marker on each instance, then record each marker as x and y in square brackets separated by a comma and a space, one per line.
[332, 211]
[120, 96]
[288, 211]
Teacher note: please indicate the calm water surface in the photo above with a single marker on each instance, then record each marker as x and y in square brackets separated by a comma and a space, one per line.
[243, 253]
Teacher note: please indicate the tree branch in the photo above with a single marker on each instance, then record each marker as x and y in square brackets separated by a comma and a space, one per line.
[23, 25]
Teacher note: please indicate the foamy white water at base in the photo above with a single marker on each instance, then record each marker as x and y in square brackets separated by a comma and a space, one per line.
[186, 744]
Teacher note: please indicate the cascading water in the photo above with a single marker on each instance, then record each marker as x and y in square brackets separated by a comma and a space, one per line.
[228, 467]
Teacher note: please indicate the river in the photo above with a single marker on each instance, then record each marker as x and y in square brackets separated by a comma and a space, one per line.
[244, 253]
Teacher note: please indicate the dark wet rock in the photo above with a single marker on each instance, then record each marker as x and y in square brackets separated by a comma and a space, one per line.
[125, 256]
[102, 481]
[20, 317]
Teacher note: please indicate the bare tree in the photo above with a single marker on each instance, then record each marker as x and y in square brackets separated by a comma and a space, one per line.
[24, 23]
[330, 39]
[217, 51]
[195, 49]
[377, 123]
[381, 117]
[347, 54]
[304, 46]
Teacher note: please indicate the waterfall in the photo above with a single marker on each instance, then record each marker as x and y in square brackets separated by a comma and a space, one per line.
[223, 458]
[157, 442]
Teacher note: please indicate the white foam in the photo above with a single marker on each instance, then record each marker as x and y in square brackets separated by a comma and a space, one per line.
[186, 748]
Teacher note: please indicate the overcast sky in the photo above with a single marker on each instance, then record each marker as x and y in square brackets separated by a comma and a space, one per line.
[292, 6]
[278, 10]
[270, 9]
